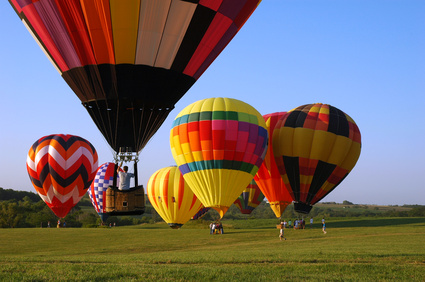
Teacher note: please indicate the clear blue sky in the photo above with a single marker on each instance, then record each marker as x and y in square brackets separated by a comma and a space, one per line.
[364, 57]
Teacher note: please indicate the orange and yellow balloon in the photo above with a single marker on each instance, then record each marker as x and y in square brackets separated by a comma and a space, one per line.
[268, 177]
[218, 144]
[315, 147]
[171, 197]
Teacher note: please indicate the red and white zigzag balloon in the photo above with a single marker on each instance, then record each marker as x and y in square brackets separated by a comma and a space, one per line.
[61, 168]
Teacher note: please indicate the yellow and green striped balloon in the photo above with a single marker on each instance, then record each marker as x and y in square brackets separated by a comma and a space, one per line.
[218, 145]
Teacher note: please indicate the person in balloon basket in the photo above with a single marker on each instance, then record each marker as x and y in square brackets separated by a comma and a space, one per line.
[281, 233]
[124, 178]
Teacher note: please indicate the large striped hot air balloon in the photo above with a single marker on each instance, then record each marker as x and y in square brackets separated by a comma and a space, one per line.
[315, 147]
[130, 61]
[250, 198]
[268, 177]
[97, 191]
[218, 144]
[61, 169]
[171, 197]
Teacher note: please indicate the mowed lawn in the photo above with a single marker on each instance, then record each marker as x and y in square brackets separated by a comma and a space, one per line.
[367, 249]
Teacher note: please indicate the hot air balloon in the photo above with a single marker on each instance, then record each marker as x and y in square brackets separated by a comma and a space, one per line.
[201, 213]
[171, 197]
[61, 169]
[102, 181]
[315, 147]
[250, 198]
[218, 144]
[268, 177]
[129, 62]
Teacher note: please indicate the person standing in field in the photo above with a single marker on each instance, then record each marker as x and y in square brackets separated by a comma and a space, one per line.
[281, 235]
[311, 222]
[324, 226]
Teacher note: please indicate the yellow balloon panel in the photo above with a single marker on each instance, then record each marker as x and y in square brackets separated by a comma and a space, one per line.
[217, 188]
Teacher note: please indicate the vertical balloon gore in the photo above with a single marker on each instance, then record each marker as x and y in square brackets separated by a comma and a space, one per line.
[218, 144]
[61, 168]
[315, 147]
[129, 62]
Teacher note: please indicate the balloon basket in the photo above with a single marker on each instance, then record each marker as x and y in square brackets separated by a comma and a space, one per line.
[125, 202]
[175, 225]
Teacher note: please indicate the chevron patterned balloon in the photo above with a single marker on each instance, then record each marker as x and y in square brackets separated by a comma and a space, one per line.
[61, 168]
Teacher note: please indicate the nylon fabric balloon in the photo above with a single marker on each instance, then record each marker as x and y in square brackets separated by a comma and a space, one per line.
[315, 147]
[250, 198]
[268, 177]
[171, 197]
[97, 192]
[129, 62]
[61, 169]
[218, 144]
[201, 213]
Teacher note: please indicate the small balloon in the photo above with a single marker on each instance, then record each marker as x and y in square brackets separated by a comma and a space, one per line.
[250, 198]
[171, 197]
[97, 192]
[61, 169]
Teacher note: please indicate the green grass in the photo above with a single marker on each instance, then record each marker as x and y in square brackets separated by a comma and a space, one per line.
[358, 249]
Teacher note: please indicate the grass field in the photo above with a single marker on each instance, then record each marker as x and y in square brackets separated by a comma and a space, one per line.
[358, 249]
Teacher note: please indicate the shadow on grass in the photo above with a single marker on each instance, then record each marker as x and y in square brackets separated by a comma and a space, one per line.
[376, 222]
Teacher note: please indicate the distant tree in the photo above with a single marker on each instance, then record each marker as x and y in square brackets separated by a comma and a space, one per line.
[417, 211]
[9, 194]
[9, 214]
[345, 202]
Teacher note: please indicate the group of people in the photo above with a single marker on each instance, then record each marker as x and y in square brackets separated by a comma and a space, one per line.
[216, 227]
[298, 224]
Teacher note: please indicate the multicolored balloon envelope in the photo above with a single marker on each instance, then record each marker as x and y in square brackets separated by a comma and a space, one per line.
[97, 192]
[218, 144]
[268, 177]
[250, 198]
[315, 147]
[61, 168]
[201, 213]
[130, 61]
[171, 197]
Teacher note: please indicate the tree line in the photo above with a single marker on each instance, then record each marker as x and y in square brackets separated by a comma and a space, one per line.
[26, 209]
